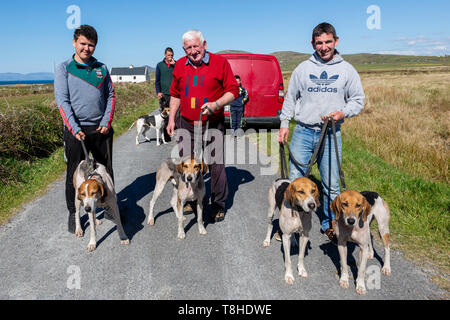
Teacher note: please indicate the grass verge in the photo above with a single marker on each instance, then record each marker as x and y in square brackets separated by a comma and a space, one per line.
[36, 176]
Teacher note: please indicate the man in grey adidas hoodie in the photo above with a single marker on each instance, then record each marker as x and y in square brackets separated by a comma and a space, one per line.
[323, 86]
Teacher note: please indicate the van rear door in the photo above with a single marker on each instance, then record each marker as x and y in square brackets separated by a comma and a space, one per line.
[261, 76]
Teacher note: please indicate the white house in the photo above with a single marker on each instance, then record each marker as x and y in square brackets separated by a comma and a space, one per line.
[130, 74]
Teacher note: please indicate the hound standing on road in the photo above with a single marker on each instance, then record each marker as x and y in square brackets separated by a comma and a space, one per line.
[354, 211]
[296, 201]
[95, 190]
[188, 185]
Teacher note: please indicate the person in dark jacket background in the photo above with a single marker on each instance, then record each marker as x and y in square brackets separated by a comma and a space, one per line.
[163, 80]
[237, 108]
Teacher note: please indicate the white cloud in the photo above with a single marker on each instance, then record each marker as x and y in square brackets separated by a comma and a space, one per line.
[421, 45]
[399, 52]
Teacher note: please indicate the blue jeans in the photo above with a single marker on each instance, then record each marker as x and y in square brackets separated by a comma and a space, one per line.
[236, 117]
[303, 143]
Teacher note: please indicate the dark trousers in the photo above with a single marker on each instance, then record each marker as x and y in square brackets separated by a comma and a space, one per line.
[164, 102]
[98, 144]
[219, 184]
[236, 117]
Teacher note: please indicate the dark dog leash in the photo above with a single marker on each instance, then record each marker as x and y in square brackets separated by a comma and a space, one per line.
[312, 160]
[315, 156]
[201, 134]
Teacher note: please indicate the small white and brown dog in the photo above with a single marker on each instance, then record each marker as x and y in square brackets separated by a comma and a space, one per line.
[296, 201]
[354, 212]
[144, 123]
[95, 189]
[186, 176]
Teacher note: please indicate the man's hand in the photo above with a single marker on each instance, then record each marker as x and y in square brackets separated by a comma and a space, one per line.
[336, 115]
[80, 135]
[171, 127]
[283, 135]
[172, 62]
[160, 95]
[209, 108]
[103, 130]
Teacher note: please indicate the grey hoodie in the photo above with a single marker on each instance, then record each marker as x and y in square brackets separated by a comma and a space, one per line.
[317, 88]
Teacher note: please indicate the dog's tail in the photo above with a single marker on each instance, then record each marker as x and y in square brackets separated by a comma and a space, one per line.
[132, 125]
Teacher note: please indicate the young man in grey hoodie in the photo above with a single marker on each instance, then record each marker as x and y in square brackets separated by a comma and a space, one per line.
[85, 97]
[323, 86]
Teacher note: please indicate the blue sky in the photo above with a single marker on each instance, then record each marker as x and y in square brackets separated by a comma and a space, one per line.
[35, 34]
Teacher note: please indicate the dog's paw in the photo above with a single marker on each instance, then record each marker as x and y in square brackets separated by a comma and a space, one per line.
[361, 289]
[181, 236]
[98, 222]
[386, 270]
[151, 221]
[202, 231]
[371, 255]
[289, 279]
[302, 273]
[79, 233]
[343, 283]
[266, 243]
[91, 247]
[125, 241]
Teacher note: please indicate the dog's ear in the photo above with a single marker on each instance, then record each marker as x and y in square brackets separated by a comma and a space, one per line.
[367, 208]
[180, 167]
[204, 168]
[336, 207]
[79, 195]
[316, 196]
[289, 194]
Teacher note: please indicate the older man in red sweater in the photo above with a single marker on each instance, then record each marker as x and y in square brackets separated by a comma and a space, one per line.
[203, 83]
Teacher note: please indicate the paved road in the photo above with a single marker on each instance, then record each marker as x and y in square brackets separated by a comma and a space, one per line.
[39, 259]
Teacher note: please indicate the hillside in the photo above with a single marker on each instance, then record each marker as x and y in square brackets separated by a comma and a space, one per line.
[364, 61]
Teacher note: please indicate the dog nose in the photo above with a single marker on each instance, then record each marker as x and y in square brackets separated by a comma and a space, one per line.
[351, 221]
[312, 205]
[87, 209]
[189, 178]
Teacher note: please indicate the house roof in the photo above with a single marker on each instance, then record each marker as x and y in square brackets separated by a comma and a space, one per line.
[135, 71]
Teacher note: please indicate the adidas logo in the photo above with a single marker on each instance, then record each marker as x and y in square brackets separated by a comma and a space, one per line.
[323, 80]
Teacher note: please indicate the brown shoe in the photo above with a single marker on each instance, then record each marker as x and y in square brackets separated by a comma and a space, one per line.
[188, 209]
[278, 235]
[218, 213]
[331, 235]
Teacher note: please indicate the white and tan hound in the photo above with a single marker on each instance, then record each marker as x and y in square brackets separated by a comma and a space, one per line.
[144, 123]
[95, 190]
[186, 176]
[353, 213]
[295, 201]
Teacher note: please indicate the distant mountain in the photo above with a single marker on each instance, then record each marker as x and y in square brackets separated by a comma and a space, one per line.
[150, 69]
[289, 60]
[11, 76]
[232, 51]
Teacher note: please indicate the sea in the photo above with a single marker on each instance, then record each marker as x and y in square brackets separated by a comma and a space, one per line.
[26, 82]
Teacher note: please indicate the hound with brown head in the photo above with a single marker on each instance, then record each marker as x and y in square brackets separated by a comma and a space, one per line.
[296, 202]
[353, 213]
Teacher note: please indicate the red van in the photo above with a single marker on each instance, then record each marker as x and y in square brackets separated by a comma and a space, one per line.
[261, 76]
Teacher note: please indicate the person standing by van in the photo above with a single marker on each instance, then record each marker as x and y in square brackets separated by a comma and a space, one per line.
[163, 80]
[203, 82]
[324, 86]
[237, 107]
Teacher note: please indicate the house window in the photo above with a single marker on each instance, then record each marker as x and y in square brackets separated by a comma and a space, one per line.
[134, 77]
[120, 78]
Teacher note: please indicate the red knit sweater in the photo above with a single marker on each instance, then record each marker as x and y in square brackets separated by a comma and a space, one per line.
[207, 83]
